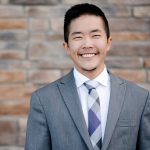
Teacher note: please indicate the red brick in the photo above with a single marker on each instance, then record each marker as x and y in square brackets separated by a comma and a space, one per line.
[22, 124]
[116, 10]
[130, 49]
[21, 139]
[22, 131]
[83, 1]
[12, 76]
[71, 2]
[149, 76]
[130, 36]
[37, 37]
[124, 62]
[13, 24]
[10, 11]
[128, 24]
[16, 91]
[8, 131]
[57, 25]
[39, 25]
[137, 76]
[147, 62]
[4, 1]
[37, 11]
[27, 2]
[44, 76]
[14, 64]
[53, 2]
[46, 50]
[14, 35]
[54, 36]
[11, 148]
[30, 88]
[57, 11]
[131, 2]
[63, 63]
[34, 2]
[12, 55]
[13, 45]
[38, 50]
[15, 108]
[141, 11]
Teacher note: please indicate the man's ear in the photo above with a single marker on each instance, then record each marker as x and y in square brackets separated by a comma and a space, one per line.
[109, 43]
[66, 47]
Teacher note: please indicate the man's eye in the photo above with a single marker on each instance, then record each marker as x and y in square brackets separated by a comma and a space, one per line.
[96, 36]
[77, 38]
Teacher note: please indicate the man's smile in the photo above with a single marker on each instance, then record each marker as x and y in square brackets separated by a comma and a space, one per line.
[88, 55]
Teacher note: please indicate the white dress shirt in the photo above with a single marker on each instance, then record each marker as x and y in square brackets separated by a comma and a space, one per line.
[103, 91]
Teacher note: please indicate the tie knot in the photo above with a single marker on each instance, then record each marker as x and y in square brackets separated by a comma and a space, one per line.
[91, 84]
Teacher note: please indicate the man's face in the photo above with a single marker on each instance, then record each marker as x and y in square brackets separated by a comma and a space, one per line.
[88, 44]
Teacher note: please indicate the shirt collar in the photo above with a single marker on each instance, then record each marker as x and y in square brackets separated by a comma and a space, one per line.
[102, 78]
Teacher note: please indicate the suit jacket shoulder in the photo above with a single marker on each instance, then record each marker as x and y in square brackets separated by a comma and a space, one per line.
[128, 83]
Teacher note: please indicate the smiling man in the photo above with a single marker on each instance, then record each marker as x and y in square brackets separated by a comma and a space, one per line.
[88, 44]
[89, 108]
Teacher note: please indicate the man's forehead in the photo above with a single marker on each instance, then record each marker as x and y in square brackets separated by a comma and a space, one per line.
[91, 31]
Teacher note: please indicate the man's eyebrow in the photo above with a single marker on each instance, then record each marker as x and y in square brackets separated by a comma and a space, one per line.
[77, 32]
[92, 31]
[96, 30]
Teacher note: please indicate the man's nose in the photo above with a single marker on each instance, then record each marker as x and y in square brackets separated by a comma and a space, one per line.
[87, 43]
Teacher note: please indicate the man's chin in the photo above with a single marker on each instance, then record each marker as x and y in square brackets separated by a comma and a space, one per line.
[89, 69]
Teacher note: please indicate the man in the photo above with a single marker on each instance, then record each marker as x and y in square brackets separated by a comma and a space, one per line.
[73, 113]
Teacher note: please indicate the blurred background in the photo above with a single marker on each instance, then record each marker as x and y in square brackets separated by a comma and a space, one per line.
[31, 53]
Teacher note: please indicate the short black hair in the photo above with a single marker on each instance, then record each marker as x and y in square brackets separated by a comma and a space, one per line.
[83, 9]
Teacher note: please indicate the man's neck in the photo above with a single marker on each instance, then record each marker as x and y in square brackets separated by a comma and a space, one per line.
[91, 74]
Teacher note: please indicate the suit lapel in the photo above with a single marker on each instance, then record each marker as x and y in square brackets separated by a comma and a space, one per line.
[116, 100]
[70, 96]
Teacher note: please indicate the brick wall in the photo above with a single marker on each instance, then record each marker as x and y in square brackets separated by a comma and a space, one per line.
[31, 53]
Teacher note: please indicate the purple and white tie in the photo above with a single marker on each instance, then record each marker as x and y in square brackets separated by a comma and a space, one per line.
[94, 115]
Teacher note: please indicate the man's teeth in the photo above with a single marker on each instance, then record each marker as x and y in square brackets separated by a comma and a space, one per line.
[88, 55]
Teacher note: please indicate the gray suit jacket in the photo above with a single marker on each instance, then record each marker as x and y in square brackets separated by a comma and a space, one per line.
[56, 121]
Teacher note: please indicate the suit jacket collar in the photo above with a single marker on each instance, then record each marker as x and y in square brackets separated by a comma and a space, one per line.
[71, 99]
[117, 94]
[70, 96]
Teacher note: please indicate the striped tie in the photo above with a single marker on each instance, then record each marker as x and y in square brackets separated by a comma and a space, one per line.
[94, 115]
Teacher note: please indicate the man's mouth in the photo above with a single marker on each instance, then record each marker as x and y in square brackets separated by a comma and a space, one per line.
[88, 55]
